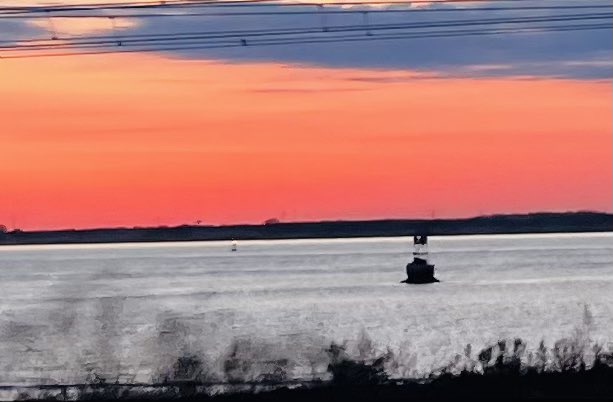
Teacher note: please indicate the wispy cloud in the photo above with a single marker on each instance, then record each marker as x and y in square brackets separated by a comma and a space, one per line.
[578, 54]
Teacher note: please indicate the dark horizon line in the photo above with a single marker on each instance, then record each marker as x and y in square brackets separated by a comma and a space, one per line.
[276, 221]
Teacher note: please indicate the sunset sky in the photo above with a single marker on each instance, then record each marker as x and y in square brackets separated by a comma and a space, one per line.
[171, 138]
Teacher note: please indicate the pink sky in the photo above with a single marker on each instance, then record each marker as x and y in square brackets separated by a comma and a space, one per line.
[128, 140]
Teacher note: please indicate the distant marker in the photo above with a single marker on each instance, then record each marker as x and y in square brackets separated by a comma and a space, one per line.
[419, 270]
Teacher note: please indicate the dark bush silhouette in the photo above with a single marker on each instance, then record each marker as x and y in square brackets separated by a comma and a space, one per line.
[247, 361]
[346, 371]
[570, 369]
[188, 368]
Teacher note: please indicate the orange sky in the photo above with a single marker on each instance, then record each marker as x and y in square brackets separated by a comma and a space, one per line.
[144, 140]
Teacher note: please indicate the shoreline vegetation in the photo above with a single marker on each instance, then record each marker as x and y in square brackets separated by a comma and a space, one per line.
[594, 384]
[576, 367]
[572, 369]
[544, 222]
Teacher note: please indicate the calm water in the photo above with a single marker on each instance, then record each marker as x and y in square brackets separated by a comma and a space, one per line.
[130, 310]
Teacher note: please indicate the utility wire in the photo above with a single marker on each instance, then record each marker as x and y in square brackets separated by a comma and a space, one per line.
[111, 40]
[234, 3]
[310, 12]
[324, 33]
[320, 40]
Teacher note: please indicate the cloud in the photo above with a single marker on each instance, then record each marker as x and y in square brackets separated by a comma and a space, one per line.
[304, 90]
[81, 26]
[582, 54]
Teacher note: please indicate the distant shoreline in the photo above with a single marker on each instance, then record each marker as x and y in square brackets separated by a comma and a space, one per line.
[568, 222]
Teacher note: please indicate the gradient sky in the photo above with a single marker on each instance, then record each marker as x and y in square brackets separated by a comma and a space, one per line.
[148, 139]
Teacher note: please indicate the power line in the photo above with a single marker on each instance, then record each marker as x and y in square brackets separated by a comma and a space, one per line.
[142, 40]
[312, 12]
[320, 40]
[260, 37]
[231, 3]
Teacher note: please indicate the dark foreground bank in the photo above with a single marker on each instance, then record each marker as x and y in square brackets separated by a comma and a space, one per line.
[594, 384]
[571, 222]
[572, 370]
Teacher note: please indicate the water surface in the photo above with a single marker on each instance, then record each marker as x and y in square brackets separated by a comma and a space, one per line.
[128, 311]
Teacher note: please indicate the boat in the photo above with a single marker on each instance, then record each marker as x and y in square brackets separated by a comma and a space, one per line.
[234, 246]
[420, 271]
